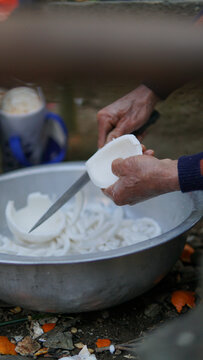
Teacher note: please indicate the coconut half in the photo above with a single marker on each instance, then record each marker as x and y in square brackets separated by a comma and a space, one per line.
[21, 221]
[99, 165]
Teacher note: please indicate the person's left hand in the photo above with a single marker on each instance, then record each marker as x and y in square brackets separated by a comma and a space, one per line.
[142, 177]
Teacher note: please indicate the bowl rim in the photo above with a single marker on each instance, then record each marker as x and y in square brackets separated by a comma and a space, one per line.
[190, 221]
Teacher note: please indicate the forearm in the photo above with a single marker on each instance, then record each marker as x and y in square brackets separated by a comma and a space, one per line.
[169, 180]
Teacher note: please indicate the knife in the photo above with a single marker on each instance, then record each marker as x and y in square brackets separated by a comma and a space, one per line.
[84, 179]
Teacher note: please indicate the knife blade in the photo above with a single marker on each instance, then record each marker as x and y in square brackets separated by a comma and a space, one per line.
[82, 181]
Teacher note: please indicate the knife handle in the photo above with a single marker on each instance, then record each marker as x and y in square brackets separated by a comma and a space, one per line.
[153, 118]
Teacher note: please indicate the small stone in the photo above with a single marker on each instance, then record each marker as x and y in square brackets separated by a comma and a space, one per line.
[91, 351]
[79, 345]
[74, 330]
[16, 310]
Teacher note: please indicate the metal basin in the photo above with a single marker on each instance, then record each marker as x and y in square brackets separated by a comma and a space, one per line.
[94, 281]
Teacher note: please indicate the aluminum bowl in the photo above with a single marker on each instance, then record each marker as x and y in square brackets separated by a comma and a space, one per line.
[99, 280]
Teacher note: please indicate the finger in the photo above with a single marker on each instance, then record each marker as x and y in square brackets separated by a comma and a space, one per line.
[149, 152]
[103, 129]
[106, 123]
[124, 126]
[117, 167]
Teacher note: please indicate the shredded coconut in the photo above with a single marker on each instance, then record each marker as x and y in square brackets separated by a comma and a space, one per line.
[93, 227]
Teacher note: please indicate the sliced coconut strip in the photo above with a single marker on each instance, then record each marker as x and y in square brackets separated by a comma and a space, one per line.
[99, 165]
[21, 221]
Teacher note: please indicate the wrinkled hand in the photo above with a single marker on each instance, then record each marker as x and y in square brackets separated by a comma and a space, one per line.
[126, 114]
[142, 177]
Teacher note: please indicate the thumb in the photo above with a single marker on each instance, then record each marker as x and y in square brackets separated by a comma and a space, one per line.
[117, 167]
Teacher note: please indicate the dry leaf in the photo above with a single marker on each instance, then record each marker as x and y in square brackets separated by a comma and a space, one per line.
[27, 346]
[48, 327]
[6, 347]
[103, 343]
[186, 254]
[181, 298]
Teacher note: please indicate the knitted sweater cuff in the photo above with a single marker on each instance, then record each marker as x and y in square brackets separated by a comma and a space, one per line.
[189, 172]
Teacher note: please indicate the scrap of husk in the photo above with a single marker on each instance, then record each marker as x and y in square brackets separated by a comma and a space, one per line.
[48, 327]
[181, 298]
[41, 352]
[186, 254]
[7, 347]
[103, 343]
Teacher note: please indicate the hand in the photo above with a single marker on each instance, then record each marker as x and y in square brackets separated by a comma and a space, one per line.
[126, 114]
[142, 177]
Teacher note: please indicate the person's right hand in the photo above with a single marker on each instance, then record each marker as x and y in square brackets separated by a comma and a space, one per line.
[142, 177]
[126, 114]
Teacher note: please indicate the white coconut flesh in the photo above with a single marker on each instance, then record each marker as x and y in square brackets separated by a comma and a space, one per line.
[99, 165]
[21, 221]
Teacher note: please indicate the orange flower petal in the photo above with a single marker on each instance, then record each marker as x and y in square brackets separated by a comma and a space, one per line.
[7, 347]
[48, 327]
[186, 254]
[103, 343]
[181, 298]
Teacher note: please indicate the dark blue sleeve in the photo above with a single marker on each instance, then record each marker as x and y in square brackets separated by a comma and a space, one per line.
[189, 172]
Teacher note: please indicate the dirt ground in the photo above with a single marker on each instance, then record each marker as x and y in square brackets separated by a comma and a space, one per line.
[178, 131]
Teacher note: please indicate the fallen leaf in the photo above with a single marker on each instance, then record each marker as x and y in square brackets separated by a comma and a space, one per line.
[48, 327]
[181, 298]
[27, 346]
[103, 343]
[186, 254]
[6, 347]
